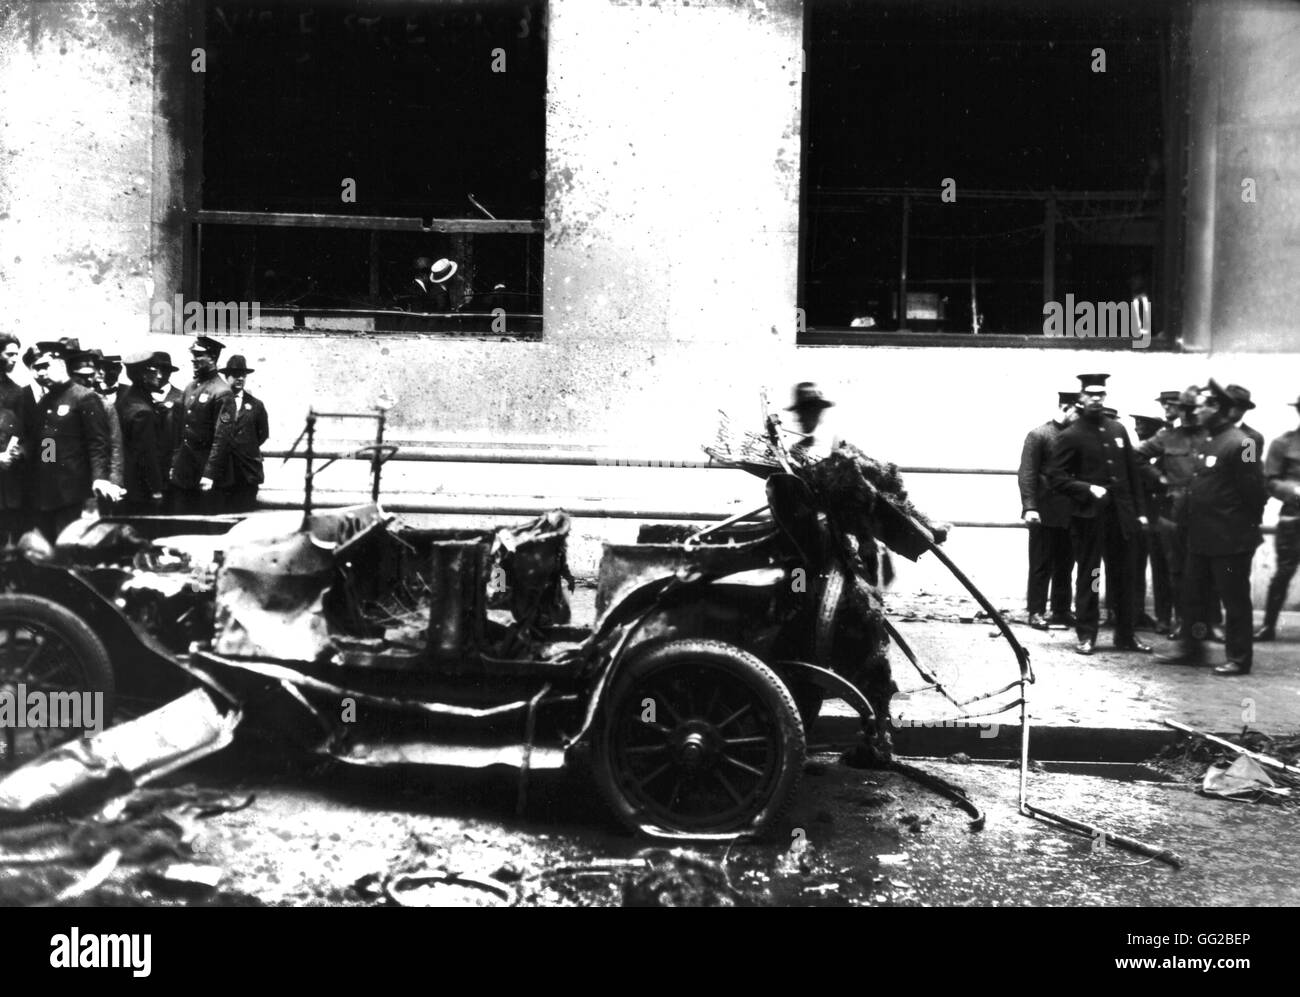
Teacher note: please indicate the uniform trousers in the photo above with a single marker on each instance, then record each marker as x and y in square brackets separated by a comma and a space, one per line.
[1229, 574]
[1093, 540]
[1050, 562]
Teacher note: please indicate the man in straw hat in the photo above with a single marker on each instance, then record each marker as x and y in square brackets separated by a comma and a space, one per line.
[809, 408]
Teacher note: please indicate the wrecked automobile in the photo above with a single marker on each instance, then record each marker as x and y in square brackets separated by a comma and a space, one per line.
[349, 634]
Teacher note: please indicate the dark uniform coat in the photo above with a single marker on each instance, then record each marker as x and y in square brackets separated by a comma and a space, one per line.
[142, 445]
[1097, 453]
[71, 427]
[1036, 494]
[207, 423]
[251, 431]
[15, 416]
[1173, 453]
[169, 425]
[1226, 497]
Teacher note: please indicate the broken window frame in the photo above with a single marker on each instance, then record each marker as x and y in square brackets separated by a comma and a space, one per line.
[475, 321]
[1167, 253]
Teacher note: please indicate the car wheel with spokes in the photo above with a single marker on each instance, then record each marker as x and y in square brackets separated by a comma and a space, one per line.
[45, 650]
[698, 737]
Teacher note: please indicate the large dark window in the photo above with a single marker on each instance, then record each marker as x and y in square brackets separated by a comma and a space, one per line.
[348, 146]
[1058, 172]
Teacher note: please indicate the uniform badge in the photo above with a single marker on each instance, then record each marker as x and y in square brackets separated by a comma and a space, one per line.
[202, 399]
[1210, 460]
[64, 410]
[1119, 441]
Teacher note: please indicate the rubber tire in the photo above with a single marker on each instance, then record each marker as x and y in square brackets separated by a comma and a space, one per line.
[792, 750]
[91, 656]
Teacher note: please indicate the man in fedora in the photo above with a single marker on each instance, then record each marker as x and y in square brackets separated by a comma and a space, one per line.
[809, 407]
[144, 477]
[1282, 472]
[1225, 502]
[68, 443]
[200, 467]
[1093, 465]
[1047, 516]
[250, 432]
[1241, 404]
[167, 404]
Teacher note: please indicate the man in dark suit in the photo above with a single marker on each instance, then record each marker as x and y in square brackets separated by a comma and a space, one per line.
[1172, 454]
[68, 443]
[251, 431]
[1282, 472]
[15, 413]
[143, 470]
[1149, 550]
[167, 404]
[84, 368]
[1047, 515]
[1225, 503]
[200, 467]
[1093, 465]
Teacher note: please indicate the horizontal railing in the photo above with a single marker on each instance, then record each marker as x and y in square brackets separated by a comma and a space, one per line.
[583, 509]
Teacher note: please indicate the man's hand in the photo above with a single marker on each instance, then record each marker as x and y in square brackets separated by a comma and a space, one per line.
[6, 459]
[1098, 492]
[205, 484]
[1031, 516]
[1143, 522]
[172, 477]
[156, 498]
[107, 490]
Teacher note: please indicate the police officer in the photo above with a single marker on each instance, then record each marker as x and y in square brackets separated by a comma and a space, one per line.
[1282, 472]
[1047, 515]
[250, 432]
[1093, 465]
[68, 444]
[143, 470]
[15, 414]
[200, 467]
[1225, 502]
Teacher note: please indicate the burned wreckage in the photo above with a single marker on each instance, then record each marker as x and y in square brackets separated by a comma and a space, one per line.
[689, 700]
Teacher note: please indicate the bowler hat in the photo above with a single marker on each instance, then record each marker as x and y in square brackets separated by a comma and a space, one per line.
[1240, 396]
[81, 362]
[237, 366]
[808, 395]
[163, 360]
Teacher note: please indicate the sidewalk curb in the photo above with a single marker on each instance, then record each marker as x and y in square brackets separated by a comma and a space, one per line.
[1057, 744]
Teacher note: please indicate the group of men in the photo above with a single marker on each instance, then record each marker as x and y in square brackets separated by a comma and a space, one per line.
[1189, 497]
[74, 438]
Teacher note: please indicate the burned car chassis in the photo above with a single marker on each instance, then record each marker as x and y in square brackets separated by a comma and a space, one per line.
[379, 645]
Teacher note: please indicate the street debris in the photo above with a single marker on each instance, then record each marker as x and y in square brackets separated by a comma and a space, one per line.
[1245, 779]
